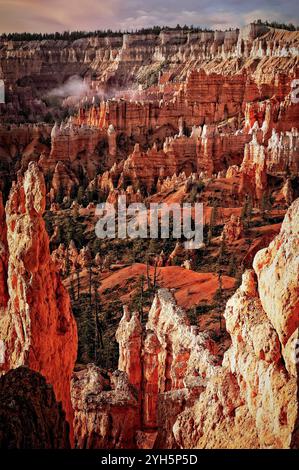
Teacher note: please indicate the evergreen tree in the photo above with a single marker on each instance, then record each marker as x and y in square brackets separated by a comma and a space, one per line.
[213, 219]
[232, 268]
[222, 250]
[78, 281]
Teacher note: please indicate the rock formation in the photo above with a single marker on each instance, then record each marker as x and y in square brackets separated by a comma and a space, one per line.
[37, 325]
[220, 93]
[278, 265]
[170, 117]
[30, 417]
[183, 396]
[252, 398]
[233, 229]
[106, 410]
[116, 60]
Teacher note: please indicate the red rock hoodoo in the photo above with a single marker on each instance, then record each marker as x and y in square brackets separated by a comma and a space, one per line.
[36, 325]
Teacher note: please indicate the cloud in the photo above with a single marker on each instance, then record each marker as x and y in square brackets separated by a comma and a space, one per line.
[60, 15]
[265, 15]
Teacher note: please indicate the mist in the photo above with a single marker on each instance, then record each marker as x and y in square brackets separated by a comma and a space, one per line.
[75, 86]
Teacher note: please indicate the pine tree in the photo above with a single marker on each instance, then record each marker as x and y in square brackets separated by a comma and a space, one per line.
[232, 265]
[142, 279]
[90, 282]
[213, 219]
[148, 277]
[72, 289]
[59, 195]
[246, 212]
[155, 276]
[222, 250]
[249, 210]
[99, 327]
[81, 197]
[67, 262]
[78, 282]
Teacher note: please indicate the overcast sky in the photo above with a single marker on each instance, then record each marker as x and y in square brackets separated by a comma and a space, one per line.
[61, 15]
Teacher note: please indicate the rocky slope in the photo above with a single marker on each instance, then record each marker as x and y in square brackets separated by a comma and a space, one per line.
[186, 398]
[37, 326]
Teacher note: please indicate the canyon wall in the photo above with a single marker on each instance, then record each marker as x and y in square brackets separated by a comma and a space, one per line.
[200, 98]
[108, 63]
[202, 114]
[174, 117]
[251, 401]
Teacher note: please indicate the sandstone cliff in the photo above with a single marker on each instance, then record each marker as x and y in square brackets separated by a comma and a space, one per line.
[251, 401]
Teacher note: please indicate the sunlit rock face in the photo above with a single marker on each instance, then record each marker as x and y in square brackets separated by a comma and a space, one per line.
[106, 410]
[278, 266]
[37, 325]
[257, 406]
[181, 396]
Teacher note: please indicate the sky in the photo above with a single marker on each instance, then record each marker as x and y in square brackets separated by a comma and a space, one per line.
[62, 15]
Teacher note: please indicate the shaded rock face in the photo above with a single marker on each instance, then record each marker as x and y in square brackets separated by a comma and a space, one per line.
[20, 144]
[30, 417]
[184, 397]
[36, 322]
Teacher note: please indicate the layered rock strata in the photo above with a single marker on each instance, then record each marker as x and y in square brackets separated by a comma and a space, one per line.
[33, 68]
